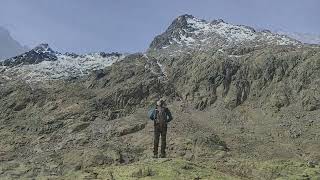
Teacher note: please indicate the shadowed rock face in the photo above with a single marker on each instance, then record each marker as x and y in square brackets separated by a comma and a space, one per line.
[237, 111]
[173, 31]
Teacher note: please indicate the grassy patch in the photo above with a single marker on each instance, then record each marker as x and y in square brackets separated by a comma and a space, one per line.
[161, 169]
[286, 169]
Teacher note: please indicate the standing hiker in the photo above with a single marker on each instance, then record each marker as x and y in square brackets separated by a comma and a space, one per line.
[161, 116]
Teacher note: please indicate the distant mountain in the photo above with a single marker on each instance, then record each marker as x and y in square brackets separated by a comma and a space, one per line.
[8, 46]
[309, 38]
[41, 63]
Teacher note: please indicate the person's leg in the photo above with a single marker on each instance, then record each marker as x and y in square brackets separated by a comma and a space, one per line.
[163, 142]
[156, 141]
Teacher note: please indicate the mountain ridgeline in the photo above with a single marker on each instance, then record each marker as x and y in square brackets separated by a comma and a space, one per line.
[246, 105]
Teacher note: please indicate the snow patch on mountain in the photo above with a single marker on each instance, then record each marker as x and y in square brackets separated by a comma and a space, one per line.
[162, 68]
[231, 32]
[187, 40]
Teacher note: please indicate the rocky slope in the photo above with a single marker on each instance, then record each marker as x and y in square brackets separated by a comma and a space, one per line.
[241, 111]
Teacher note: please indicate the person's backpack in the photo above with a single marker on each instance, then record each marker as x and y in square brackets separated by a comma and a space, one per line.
[151, 113]
[161, 116]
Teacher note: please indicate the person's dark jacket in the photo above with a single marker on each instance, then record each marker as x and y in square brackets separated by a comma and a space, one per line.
[167, 111]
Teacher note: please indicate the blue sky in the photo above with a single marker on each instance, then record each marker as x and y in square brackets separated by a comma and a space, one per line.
[129, 25]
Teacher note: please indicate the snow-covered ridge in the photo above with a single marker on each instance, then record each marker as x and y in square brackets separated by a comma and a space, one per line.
[231, 32]
[58, 66]
[189, 31]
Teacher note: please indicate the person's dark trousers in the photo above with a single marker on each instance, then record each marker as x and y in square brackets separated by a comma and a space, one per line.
[158, 131]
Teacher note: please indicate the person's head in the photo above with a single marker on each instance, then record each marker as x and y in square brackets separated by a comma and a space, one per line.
[160, 103]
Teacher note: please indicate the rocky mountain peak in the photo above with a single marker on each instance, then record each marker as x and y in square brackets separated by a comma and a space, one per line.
[187, 31]
[217, 21]
[43, 48]
[187, 21]
[180, 22]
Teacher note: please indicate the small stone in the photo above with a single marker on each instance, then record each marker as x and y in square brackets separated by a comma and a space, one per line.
[189, 156]
[311, 164]
[77, 167]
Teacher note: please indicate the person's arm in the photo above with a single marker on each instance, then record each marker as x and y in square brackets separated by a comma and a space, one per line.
[169, 115]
